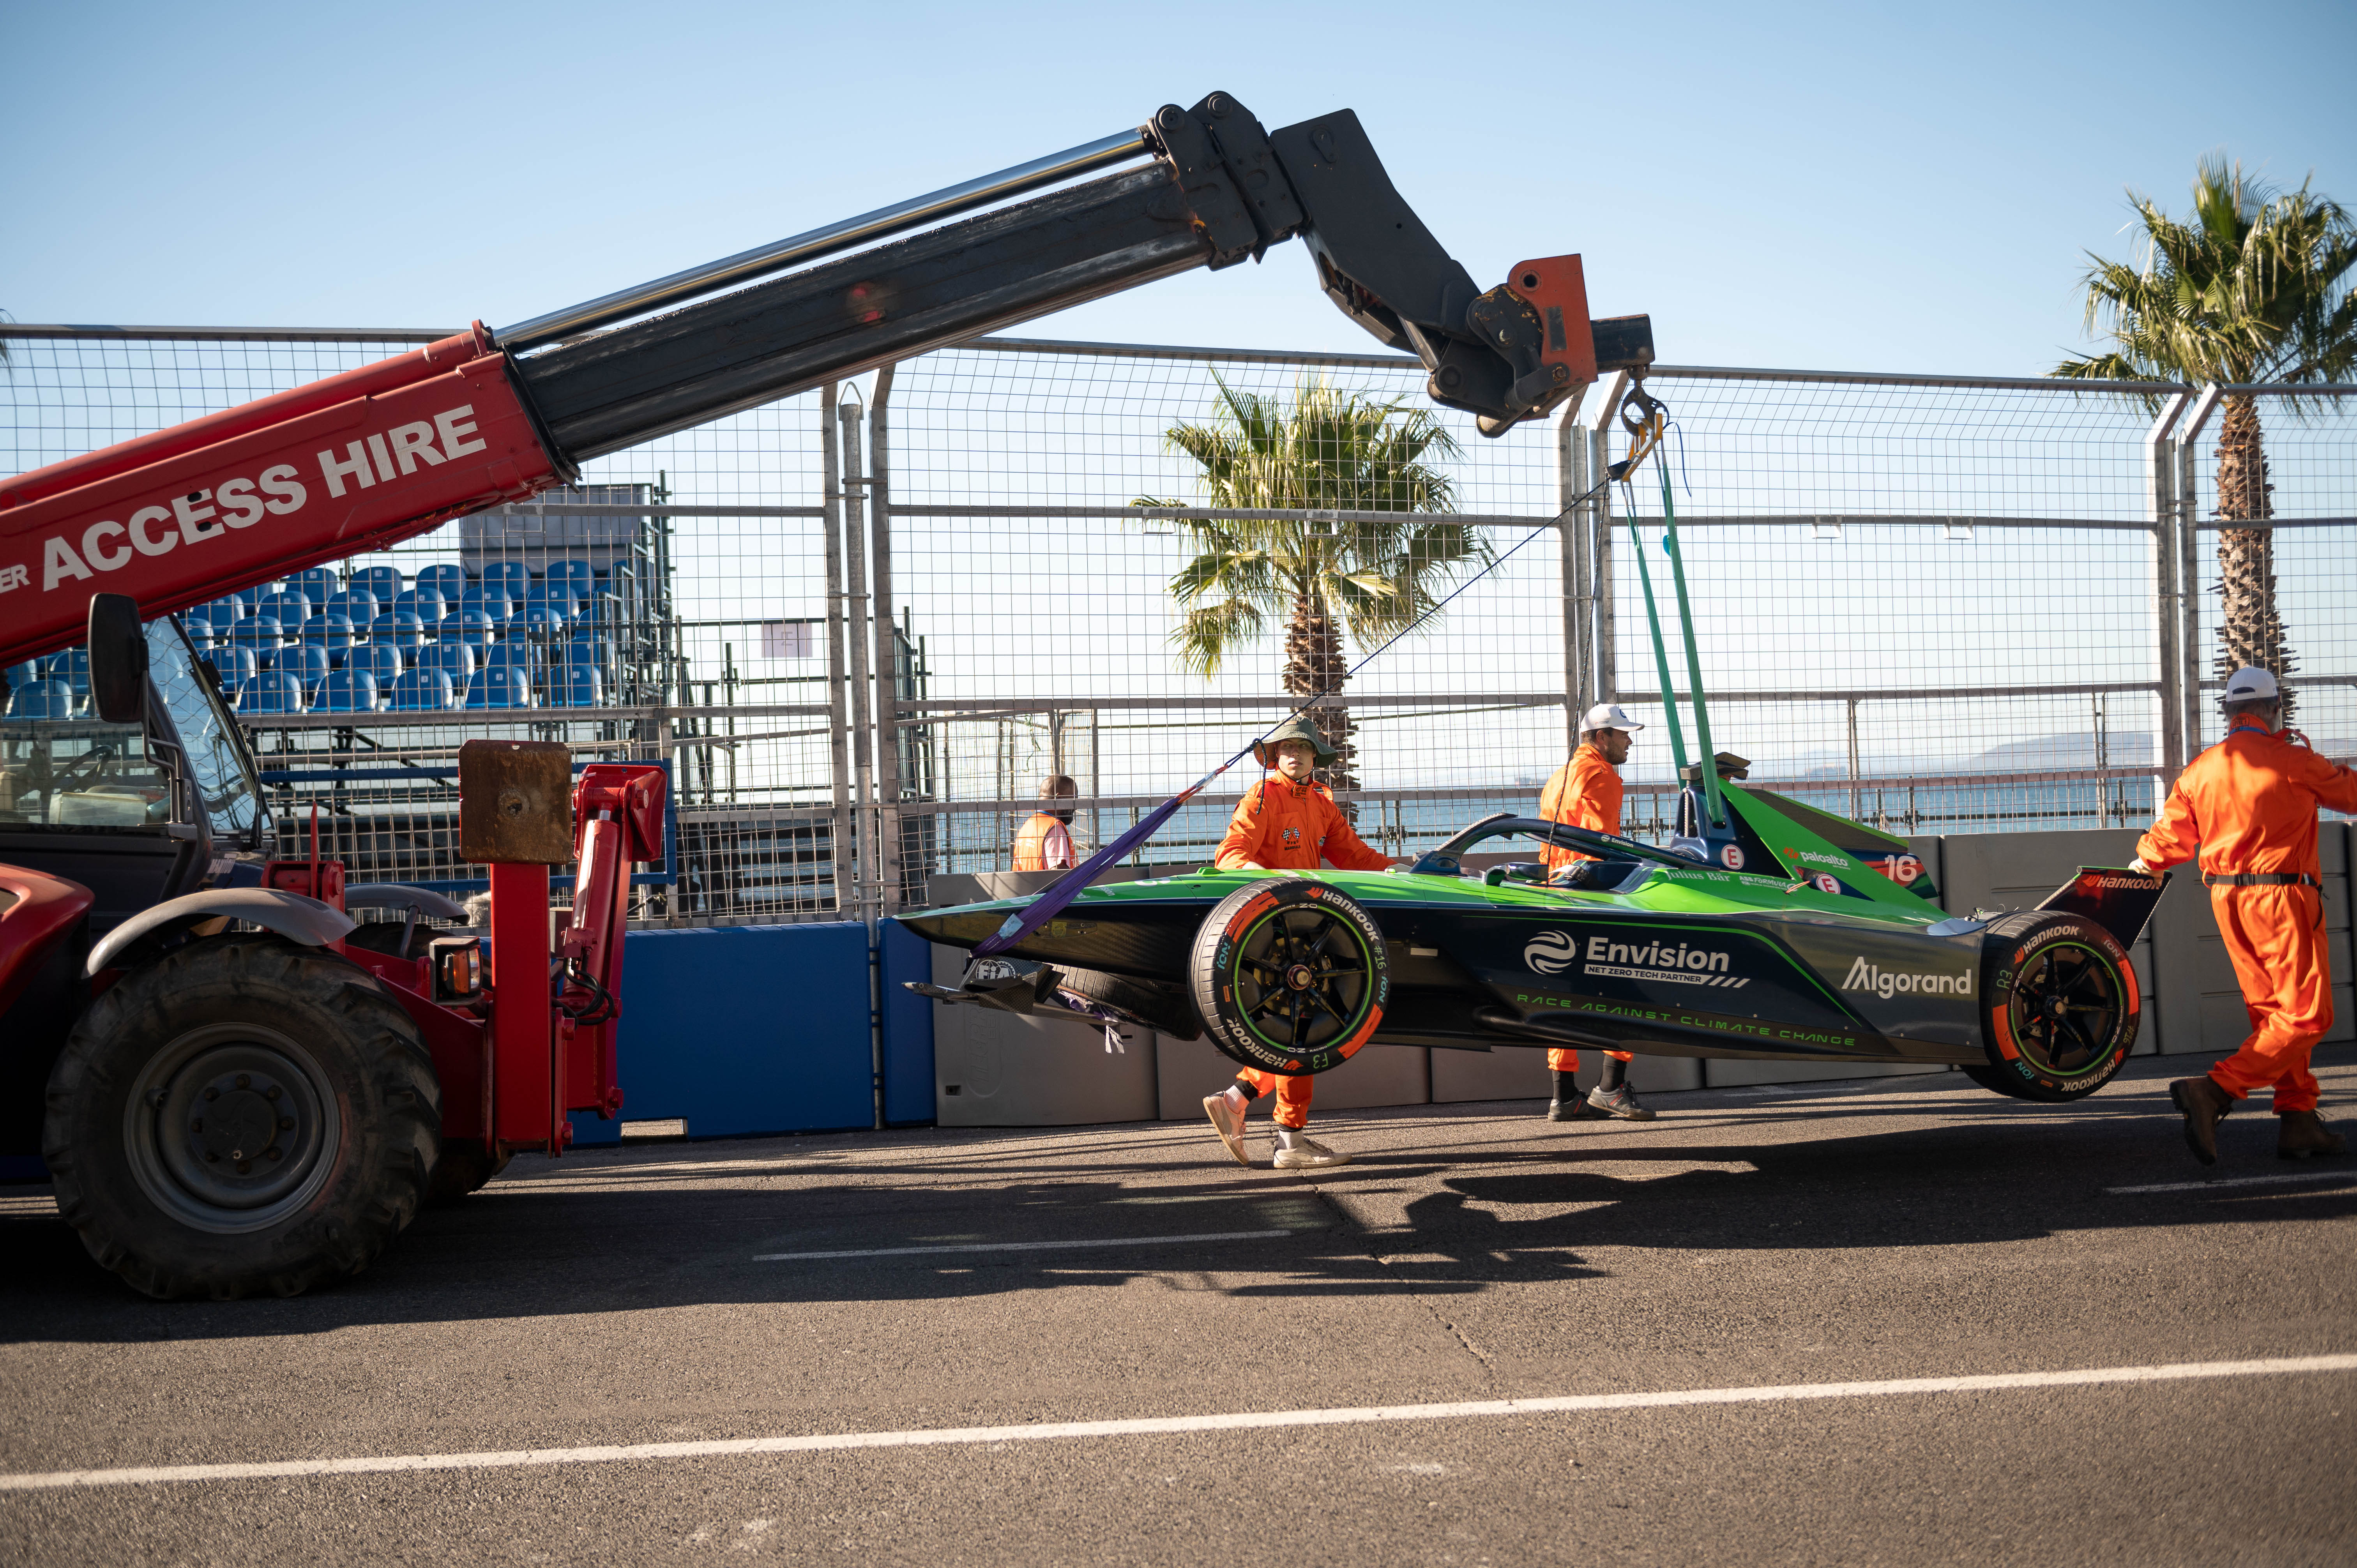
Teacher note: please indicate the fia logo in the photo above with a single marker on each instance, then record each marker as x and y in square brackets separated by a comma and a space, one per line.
[1292, 836]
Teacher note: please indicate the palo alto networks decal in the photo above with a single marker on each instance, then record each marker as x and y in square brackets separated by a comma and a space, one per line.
[1885, 983]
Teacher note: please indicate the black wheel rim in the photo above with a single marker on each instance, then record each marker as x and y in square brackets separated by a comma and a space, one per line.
[1302, 980]
[2067, 1006]
[232, 1128]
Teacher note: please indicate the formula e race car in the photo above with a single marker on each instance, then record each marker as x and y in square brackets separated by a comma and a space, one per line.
[1767, 931]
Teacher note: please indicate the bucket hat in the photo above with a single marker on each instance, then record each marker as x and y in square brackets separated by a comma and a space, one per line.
[1297, 727]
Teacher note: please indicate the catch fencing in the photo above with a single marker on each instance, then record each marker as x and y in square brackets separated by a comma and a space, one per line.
[860, 626]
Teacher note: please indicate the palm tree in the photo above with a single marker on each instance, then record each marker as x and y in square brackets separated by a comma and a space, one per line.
[1326, 451]
[2254, 288]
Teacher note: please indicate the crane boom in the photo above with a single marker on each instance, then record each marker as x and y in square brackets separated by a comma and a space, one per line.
[365, 460]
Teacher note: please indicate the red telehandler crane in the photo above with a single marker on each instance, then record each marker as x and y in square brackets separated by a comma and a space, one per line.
[232, 1097]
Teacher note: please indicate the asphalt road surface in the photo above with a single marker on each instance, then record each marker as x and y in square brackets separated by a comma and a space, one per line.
[908, 1284]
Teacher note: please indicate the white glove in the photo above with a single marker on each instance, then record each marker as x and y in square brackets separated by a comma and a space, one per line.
[2139, 867]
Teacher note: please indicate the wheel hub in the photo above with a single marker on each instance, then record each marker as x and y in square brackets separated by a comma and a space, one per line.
[1300, 976]
[231, 1126]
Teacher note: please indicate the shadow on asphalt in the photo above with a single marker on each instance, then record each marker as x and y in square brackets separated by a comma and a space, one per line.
[1474, 1219]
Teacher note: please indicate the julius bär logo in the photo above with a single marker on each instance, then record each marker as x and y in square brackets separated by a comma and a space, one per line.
[1550, 953]
[1885, 983]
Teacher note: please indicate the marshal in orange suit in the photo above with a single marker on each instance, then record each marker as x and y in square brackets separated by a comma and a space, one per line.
[2249, 803]
[1586, 793]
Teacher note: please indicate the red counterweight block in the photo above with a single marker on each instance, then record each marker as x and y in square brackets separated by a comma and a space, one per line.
[527, 1078]
[618, 817]
[352, 463]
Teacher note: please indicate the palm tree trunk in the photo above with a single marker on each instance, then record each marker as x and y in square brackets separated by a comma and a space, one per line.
[1315, 664]
[2250, 626]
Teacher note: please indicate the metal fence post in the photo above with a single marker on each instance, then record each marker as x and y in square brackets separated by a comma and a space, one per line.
[1603, 655]
[863, 735]
[2189, 564]
[1571, 532]
[888, 652]
[839, 828]
[2170, 588]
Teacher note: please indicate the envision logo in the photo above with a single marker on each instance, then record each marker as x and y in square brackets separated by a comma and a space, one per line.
[1864, 976]
[1549, 953]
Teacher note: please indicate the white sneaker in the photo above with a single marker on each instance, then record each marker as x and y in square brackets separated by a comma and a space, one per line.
[1229, 1124]
[1308, 1154]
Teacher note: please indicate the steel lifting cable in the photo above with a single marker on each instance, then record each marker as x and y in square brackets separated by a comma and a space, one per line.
[1643, 416]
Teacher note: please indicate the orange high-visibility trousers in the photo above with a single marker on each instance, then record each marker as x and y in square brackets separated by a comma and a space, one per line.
[2276, 937]
[1563, 1059]
[1292, 1094]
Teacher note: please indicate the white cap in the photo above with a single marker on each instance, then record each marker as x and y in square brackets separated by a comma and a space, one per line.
[1606, 715]
[2250, 684]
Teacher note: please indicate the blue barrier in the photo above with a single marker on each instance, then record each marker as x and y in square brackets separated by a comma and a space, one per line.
[908, 1020]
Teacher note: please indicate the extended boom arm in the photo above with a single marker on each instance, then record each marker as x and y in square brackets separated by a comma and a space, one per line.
[362, 460]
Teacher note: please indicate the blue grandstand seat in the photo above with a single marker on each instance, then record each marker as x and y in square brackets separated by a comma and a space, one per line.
[397, 629]
[514, 654]
[72, 667]
[348, 692]
[422, 691]
[446, 580]
[285, 608]
[248, 597]
[576, 574]
[307, 663]
[217, 617]
[381, 660]
[456, 659]
[511, 575]
[23, 674]
[384, 582]
[467, 626]
[234, 664]
[424, 603]
[489, 600]
[554, 594]
[314, 583]
[502, 688]
[576, 686]
[259, 633]
[333, 633]
[272, 691]
[356, 606]
[48, 698]
[546, 621]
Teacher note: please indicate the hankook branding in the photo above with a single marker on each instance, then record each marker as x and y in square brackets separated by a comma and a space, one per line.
[1865, 976]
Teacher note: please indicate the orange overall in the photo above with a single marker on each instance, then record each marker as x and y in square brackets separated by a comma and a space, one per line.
[1043, 844]
[1286, 826]
[1585, 792]
[2249, 803]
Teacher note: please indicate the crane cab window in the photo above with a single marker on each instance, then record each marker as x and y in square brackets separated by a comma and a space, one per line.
[61, 767]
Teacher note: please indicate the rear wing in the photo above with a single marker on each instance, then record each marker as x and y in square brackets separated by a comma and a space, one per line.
[2119, 900]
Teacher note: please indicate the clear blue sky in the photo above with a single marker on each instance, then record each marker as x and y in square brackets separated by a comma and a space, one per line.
[1884, 186]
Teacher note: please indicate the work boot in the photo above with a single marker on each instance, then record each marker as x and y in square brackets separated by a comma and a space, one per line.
[2301, 1135]
[1229, 1124]
[1308, 1154]
[1622, 1104]
[1572, 1109]
[2204, 1105]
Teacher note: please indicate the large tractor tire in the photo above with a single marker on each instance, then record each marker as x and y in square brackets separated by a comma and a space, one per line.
[2060, 1006]
[1289, 977]
[242, 1115]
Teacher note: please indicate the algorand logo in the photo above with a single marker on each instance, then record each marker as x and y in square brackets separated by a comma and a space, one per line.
[1550, 953]
[1885, 983]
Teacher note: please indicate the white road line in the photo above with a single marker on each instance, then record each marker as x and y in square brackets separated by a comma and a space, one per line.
[2239, 1181]
[1154, 1427]
[1021, 1246]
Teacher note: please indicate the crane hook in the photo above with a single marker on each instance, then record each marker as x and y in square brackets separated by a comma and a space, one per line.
[1644, 418]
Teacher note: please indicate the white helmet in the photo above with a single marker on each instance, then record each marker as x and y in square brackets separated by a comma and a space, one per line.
[1606, 715]
[2250, 684]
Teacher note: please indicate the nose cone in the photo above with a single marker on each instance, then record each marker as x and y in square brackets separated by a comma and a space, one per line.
[965, 925]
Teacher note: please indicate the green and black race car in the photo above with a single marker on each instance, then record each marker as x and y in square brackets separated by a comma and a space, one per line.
[1776, 931]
